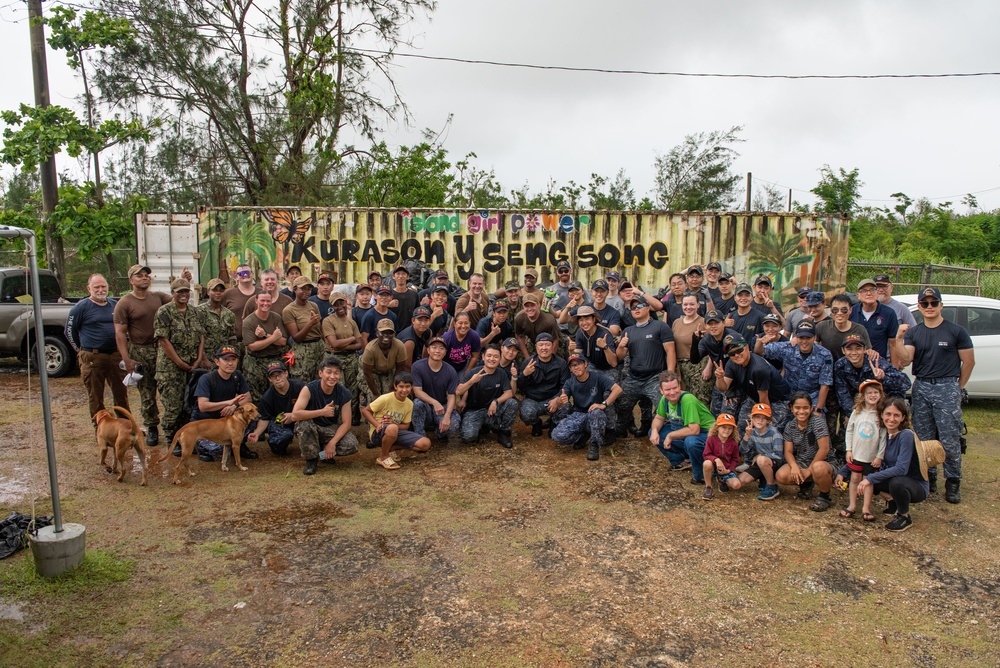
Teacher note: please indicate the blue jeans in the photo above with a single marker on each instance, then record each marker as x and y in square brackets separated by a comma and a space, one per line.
[691, 448]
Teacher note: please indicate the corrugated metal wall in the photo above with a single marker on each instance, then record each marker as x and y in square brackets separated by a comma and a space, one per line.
[645, 247]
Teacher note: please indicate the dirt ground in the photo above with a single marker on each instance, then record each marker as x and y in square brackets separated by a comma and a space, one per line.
[479, 556]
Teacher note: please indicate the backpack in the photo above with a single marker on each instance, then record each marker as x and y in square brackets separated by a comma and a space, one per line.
[190, 400]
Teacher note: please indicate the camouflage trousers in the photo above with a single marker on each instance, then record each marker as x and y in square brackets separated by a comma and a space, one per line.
[937, 415]
[578, 424]
[474, 420]
[779, 415]
[836, 424]
[308, 356]
[532, 412]
[383, 385]
[255, 369]
[424, 417]
[146, 356]
[350, 377]
[171, 383]
[645, 392]
[693, 383]
[313, 438]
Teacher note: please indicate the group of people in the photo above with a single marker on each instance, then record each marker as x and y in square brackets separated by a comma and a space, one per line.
[727, 384]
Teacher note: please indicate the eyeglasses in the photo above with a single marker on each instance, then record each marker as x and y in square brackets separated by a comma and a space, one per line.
[842, 309]
[883, 286]
[930, 303]
[866, 291]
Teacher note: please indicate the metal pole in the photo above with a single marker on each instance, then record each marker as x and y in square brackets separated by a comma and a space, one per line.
[749, 190]
[43, 376]
[789, 199]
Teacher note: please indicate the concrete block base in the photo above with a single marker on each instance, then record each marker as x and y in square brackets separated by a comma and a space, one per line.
[56, 553]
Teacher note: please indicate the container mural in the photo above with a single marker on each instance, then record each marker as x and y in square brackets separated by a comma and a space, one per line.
[646, 247]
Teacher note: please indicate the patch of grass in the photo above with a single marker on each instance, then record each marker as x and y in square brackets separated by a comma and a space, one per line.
[99, 570]
[981, 416]
[217, 548]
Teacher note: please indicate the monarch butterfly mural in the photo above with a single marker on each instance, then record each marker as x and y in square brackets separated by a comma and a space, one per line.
[283, 228]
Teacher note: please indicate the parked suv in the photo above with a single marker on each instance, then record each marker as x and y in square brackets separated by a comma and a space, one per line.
[17, 319]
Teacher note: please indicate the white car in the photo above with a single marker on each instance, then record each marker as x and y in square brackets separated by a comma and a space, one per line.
[981, 318]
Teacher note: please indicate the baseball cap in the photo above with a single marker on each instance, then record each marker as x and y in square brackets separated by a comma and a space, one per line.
[531, 271]
[507, 343]
[440, 288]
[714, 316]
[401, 267]
[374, 273]
[626, 285]
[714, 265]
[180, 284]
[136, 268]
[301, 282]
[383, 290]
[865, 282]
[337, 296]
[930, 292]
[363, 287]
[422, 311]
[385, 325]
[226, 351]
[641, 301]
[733, 342]
[725, 277]
[882, 278]
[804, 291]
[599, 284]
[695, 269]
[613, 276]
[324, 277]
[512, 285]
[529, 298]
[544, 336]
[815, 298]
[437, 340]
[760, 409]
[274, 367]
[762, 280]
[805, 328]
[584, 310]
[871, 382]
[575, 285]
[851, 339]
[216, 282]
[726, 420]
[743, 287]
[440, 273]
[501, 305]
[772, 317]
[576, 358]
[562, 264]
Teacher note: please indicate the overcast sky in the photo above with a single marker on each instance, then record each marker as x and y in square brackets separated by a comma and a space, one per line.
[934, 138]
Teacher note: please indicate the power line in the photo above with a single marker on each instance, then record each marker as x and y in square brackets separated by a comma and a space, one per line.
[716, 75]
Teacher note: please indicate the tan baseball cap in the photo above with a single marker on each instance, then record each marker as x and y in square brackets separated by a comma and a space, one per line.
[180, 284]
[301, 282]
[136, 268]
[216, 282]
[338, 296]
[385, 325]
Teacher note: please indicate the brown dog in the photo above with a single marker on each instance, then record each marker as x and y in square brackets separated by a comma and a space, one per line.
[227, 431]
[122, 434]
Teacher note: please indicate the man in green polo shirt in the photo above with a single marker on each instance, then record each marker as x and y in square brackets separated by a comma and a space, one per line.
[680, 427]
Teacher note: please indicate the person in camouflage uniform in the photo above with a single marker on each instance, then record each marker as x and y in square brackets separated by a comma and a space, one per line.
[302, 320]
[808, 367]
[181, 336]
[217, 320]
[343, 341]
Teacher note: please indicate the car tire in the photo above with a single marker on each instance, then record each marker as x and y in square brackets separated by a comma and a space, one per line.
[58, 357]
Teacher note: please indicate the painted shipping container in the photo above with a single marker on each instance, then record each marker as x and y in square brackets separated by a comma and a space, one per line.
[646, 247]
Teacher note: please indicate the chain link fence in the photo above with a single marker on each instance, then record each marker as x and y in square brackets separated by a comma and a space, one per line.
[909, 278]
[78, 270]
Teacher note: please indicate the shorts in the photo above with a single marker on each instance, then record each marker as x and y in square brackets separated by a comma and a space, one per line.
[864, 468]
[405, 439]
[757, 474]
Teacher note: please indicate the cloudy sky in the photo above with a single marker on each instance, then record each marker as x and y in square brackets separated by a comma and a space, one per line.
[935, 138]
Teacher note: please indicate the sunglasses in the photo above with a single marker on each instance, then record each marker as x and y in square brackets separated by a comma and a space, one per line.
[930, 303]
[243, 273]
[562, 271]
[636, 307]
[737, 352]
[842, 309]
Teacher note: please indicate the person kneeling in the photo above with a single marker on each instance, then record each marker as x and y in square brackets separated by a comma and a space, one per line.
[486, 399]
[389, 418]
[322, 416]
[592, 394]
[275, 410]
[219, 393]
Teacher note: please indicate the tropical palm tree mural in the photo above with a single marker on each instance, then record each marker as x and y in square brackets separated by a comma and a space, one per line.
[252, 241]
[776, 256]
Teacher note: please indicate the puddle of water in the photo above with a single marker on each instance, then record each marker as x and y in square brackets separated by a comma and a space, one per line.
[11, 611]
[12, 491]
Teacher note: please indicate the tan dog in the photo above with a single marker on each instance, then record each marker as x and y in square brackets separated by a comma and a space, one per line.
[122, 434]
[225, 431]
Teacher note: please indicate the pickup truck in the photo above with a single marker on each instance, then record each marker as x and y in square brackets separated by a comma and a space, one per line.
[17, 319]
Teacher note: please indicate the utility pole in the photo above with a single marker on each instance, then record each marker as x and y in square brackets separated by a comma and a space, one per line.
[50, 187]
[749, 189]
[789, 199]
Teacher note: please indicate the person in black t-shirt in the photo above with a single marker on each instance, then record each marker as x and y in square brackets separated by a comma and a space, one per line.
[404, 298]
[275, 409]
[746, 320]
[220, 392]
[712, 345]
[597, 344]
[434, 386]
[593, 396]
[749, 380]
[762, 287]
[541, 377]
[496, 327]
[942, 357]
[485, 398]
[322, 416]
[649, 345]
[416, 336]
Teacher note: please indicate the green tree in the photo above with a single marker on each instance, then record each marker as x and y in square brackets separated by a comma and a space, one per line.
[697, 175]
[611, 194]
[415, 176]
[266, 91]
[838, 192]
[476, 188]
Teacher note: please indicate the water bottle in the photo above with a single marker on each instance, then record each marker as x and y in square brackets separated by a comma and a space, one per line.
[547, 297]
[322, 455]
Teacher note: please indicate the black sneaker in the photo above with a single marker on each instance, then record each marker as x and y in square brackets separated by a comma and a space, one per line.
[890, 508]
[537, 429]
[310, 466]
[205, 458]
[594, 452]
[899, 523]
[247, 453]
[152, 437]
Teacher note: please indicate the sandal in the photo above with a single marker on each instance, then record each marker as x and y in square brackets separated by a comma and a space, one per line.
[867, 517]
[820, 505]
[847, 514]
[387, 463]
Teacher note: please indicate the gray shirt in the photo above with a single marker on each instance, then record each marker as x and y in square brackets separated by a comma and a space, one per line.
[902, 312]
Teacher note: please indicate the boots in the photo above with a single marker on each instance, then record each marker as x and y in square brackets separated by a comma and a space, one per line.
[310, 467]
[932, 480]
[951, 494]
[152, 437]
[247, 453]
[594, 452]
[503, 438]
